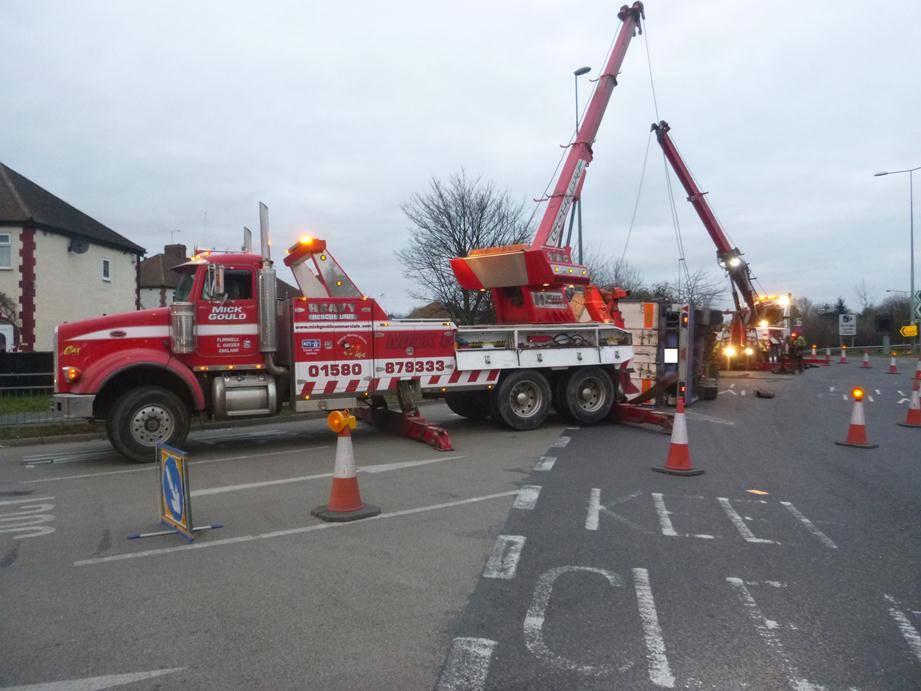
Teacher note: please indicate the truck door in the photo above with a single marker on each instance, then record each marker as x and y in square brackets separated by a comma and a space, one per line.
[227, 326]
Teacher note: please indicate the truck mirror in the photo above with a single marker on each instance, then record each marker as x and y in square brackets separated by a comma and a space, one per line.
[216, 292]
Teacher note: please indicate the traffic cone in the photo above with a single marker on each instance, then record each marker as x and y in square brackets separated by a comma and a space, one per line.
[843, 359]
[857, 432]
[916, 384]
[866, 360]
[827, 357]
[813, 352]
[892, 368]
[345, 502]
[918, 371]
[679, 455]
[913, 419]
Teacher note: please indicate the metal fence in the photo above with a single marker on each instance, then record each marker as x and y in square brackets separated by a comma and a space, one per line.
[26, 386]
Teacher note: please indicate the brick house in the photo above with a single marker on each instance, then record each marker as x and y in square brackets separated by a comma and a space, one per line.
[57, 264]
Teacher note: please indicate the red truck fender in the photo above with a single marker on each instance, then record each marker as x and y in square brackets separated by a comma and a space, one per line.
[103, 370]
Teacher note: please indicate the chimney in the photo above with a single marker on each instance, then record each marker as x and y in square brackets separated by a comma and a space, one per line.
[176, 251]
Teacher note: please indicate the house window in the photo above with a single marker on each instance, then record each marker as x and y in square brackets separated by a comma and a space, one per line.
[6, 244]
[106, 270]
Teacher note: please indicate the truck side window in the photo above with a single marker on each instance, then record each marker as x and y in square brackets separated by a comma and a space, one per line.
[238, 284]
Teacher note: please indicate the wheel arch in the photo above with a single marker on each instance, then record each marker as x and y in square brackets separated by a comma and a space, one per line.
[166, 375]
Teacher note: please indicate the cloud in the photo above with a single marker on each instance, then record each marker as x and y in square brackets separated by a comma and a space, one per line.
[147, 117]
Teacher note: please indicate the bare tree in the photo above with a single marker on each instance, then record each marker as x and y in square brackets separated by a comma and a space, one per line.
[863, 295]
[606, 271]
[9, 309]
[448, 220]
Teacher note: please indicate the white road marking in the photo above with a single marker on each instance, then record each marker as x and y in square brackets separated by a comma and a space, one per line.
[148, 468]
[660, 673]
[94, 683]
[877, 392]
[289, 531]
[844, 397]
[29, 518]
[831, 389]
[468, 664]
[561, 442]
[810, 526]
[872, 400]
[537, 612]
[545, 463]
[732, 386]
[904, 400]
[708, 418]
[371, 469]
[594, 506]
[743, 391]
[527, 497]
[728, 391]
[765, 628]
[503, 560]
[740, 525]
[900, 393]
[60, 458]
[7, 502]
[909, 632]
[665, 522]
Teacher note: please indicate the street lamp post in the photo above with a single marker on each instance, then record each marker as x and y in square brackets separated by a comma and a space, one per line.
[911, 231]
[575, 80]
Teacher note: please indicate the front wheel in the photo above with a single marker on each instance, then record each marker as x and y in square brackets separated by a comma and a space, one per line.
[142, 418]
[522, 399]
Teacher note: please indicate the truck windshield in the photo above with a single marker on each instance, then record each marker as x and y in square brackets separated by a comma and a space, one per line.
[184, 287]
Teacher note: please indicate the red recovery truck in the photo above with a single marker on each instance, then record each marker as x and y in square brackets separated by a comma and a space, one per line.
[228, 349]
[760, 326]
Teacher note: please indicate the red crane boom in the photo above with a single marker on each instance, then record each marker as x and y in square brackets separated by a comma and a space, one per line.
[529, 282]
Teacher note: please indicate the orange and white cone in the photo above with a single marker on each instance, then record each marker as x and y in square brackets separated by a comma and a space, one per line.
[813, 352]
[843, 359]
[345, 502]
[866, 360]
[828, 356]
[857, 432]
[679, 454]
[918, 370]
[892, 366]
[913, 419]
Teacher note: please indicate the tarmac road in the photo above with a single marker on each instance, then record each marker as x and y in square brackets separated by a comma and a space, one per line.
[615, 584]
[614, 576]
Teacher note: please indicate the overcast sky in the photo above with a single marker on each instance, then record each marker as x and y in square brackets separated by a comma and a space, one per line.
[148, 116]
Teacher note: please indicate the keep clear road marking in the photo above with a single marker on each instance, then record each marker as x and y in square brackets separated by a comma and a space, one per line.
[545, 463]
[765, 629]
[94, 683]
[468, 665]
[909, 632]
[665, 521]
[503, 560]
[740, 525]
[810, 526]
[152, 466]
[527, 497]
[289, 531]
[372, 469]
[660, 673]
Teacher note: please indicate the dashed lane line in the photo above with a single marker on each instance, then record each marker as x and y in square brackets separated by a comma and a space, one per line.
[468, 665]
[503, 560]
[94, 683]
[290, 531]
[527, 497]
[908, 631]
[545, 463]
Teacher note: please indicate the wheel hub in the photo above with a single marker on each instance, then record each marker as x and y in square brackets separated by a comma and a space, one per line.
[591, 396]
[151, 424]
[526, 399]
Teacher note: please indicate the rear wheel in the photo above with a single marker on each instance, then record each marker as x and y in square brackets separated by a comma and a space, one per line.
[522, 399]
[587, 395]
[473, 405]
[142, 418]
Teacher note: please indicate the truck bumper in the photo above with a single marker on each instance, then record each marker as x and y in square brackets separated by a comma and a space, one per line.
[73, 405]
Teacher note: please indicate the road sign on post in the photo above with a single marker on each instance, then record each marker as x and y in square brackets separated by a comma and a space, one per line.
[847, 324]
[916, 306]
[909, 331]
[175, 502]
[175, 496]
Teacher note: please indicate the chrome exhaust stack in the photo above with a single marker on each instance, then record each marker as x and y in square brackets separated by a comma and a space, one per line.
[268, 298]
